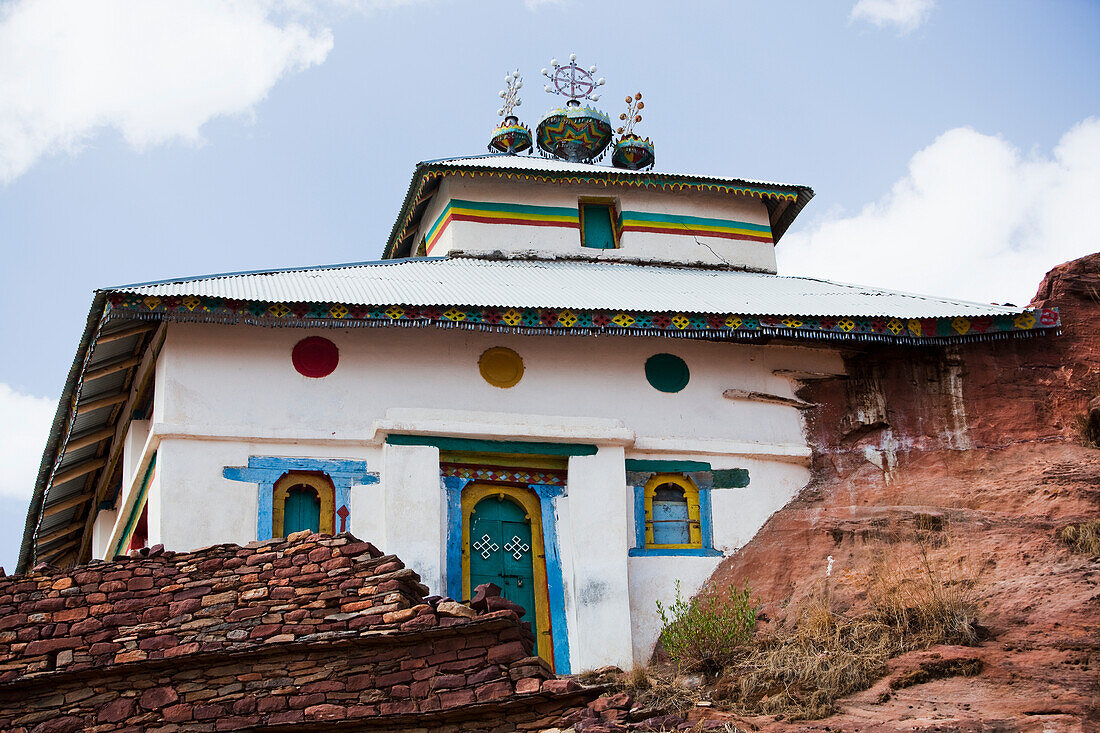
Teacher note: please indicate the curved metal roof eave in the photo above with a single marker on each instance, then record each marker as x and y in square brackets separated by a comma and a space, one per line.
[62, 417]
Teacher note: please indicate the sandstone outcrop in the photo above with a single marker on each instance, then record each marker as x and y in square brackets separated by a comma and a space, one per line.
[987, 449]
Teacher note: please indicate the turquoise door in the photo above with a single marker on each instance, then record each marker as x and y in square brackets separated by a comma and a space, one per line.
[302, 510]
[597, 231]
[501, 552]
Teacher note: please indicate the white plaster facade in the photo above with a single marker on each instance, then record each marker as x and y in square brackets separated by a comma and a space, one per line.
[224, 394]
[480, 238]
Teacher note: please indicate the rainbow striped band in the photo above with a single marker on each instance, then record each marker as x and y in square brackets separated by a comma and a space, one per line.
[487, 212]
[642, 221]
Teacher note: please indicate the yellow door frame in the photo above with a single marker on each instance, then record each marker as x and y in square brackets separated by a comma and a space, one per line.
[529, 502]
[325, 492]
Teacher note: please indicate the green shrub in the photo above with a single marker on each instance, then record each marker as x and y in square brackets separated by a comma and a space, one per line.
[704, 633]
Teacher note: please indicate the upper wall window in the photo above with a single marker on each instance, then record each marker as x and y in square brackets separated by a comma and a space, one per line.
[302, 501]
[598, 226]
[672, 514]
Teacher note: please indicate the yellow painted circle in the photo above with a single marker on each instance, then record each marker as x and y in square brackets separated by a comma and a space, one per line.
[501, 367]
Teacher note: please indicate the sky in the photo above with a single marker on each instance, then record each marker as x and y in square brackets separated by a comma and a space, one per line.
[951, 145]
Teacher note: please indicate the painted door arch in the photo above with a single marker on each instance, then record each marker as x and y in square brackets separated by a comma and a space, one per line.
[502, 543]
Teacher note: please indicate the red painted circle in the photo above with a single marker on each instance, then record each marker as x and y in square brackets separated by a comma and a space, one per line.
[315, 357]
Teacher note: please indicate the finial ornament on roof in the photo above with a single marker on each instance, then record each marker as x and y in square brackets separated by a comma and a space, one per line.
[631, 151]
[510, 136]
[572, 81]
[574, 133]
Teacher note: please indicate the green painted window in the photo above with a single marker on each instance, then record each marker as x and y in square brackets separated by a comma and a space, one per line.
[501, 552]
[302, 510]
[597, 226]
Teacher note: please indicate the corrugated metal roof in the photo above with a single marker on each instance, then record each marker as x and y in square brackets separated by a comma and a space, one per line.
[462, 281]
[503, 161]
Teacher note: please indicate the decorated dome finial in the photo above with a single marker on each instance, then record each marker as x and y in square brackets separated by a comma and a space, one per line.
[510, 136]
[573, 132]
[631, 151]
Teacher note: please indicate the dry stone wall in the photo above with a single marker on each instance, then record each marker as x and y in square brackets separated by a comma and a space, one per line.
[284, 633]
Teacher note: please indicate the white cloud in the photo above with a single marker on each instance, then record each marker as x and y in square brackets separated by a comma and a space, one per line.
[904, 15]
[974, 218]
[155, 70]
[24, 426]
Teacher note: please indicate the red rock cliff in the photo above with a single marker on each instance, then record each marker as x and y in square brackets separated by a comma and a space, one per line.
[985, 441]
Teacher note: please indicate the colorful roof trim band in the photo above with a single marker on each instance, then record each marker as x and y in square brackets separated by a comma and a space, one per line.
[503, 474]
[583, 322]
[610, 178]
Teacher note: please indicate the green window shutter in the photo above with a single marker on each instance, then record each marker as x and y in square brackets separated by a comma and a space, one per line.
[597, 229]
[301, 511]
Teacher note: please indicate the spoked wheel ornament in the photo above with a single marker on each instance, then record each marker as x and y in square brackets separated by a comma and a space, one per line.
[573, 132]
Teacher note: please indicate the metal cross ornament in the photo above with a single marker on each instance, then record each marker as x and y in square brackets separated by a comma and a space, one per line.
[572, 81]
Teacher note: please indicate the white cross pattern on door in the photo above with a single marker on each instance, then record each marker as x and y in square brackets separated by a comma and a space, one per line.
[486, 546]
[517, 547]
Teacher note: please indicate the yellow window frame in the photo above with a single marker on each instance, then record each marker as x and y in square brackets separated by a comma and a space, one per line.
[691, 493]
[325, 492]
[529, 502]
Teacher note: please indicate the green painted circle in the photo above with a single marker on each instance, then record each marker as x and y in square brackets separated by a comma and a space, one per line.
[667, 372]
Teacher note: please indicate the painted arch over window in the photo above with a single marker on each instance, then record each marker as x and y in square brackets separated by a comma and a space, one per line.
[672, 516]
[303, 501]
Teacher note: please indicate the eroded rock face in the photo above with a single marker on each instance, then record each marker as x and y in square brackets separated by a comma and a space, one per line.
[983, 446]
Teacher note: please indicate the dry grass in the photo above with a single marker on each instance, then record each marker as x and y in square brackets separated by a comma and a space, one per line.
[1083, 538]
[801, 669]
[660, 689]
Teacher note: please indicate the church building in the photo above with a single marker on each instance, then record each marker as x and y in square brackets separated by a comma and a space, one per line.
[574, 380]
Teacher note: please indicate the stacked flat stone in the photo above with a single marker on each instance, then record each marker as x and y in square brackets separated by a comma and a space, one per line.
[310, 628]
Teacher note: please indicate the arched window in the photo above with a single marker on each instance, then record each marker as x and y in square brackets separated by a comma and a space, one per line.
[302, 501]
[672, 512]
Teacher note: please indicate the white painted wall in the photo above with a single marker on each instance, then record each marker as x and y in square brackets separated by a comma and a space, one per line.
[599, 535]
[101, 532]
[136, 436]
[737, 515]
[415, 511]
[226, 393]
[481, 237]
[230, 381]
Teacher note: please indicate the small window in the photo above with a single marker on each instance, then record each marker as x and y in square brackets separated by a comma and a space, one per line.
[302, 501]
[140, 537]
[672, 513]
[598, 226]
[302, 509]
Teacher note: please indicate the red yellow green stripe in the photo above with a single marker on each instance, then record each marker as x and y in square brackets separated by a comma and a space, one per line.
[489, 212]
[643, 221]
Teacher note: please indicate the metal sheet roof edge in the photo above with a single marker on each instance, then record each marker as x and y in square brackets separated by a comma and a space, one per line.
[61, 422]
